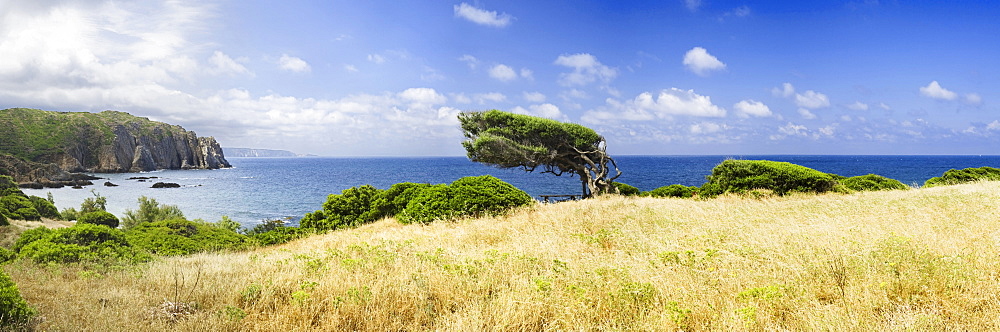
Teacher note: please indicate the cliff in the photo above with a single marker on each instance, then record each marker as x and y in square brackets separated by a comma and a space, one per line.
[42, 144]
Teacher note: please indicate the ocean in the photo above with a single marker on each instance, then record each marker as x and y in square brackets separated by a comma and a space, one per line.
[256, 189]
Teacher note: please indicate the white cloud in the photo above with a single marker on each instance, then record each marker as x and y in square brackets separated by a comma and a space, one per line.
[786, 90]
[812, 100]
[806, 114]
[534, 97]
[700, 62]
[692, 5]
[527, 74]
[503, 73]
[586, 70]
[223, 64]
[858, 106]
[376, 58]
[792, 129]
[489, 98]
[973, 99]
[934, 90]
[482, 16]
[995, 125]
[828, 130]
[884, 106]
[294, 64]
[750, 107]
[706, 128]
[668, 103]
[741, 11]
[351, 68]
[469, 60]
[544, 110]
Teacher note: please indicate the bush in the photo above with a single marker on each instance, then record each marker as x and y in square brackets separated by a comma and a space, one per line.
[150, 211]
[3, 220]
[742, 176]
[69, 214]
[674, 190]
[44, 207]
[625, 189]
[100, 218]
[954, 176]
[18, 207]
[355, 206]
[80, 243]
[30, 236]
[183, 237]
[468, 196]
[280, 235]
[15, 314]
[392, 201]
[432, 203]
[872, 182]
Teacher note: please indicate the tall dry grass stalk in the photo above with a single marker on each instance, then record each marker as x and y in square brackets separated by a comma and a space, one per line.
[924, 259]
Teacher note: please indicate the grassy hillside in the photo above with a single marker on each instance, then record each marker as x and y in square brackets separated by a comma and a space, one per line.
[914, 260]
[37, 134]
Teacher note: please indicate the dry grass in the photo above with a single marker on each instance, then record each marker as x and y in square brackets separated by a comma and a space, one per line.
[914, 260]
[10, 233]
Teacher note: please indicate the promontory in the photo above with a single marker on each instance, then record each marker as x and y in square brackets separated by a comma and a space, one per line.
[37, 145]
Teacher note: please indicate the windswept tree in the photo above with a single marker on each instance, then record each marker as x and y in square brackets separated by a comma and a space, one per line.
[508, 140]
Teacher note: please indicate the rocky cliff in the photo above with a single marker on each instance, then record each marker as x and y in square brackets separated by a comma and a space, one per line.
[106, 142]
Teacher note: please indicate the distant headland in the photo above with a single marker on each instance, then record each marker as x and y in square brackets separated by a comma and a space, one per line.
[42, 146]
[261, 153]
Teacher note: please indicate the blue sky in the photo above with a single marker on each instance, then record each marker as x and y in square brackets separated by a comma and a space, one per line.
[387, 78]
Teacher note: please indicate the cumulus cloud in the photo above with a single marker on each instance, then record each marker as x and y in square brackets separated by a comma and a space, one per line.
[586, 70]
[469, 60]
[700, 62]
[811, 100]
[806, 114]
[750, 107]
[543, 110]
[995, 125]
[225, 65]
[792, 129]
[786, 90]
[858, 106]
[934, 90]
[503, 73]
[534, 97]
[692, 5]
[294, 64]
[665, 105]
[376, 58]
[489, 98]
[706, 128]
[973, 99]
[482, 16]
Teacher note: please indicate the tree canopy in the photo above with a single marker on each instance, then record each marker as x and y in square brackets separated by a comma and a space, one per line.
[508, 140]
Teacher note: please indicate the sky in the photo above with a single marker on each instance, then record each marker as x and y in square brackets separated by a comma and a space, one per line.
[388, 78]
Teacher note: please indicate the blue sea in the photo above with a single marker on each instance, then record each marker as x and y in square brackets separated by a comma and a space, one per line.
[256, 189]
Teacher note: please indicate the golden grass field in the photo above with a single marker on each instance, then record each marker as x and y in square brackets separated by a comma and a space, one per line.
[914, 260]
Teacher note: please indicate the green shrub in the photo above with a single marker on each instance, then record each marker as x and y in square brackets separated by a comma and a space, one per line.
[18, 207]
[150, 211]
[3, 220]
[625, 189]
[432, 203]
[30, 236]
[81, 243]
[392, 201]
[355, 206]
[100, 218]
[6, 255]
[45, 208]
[15, 314]
[95, 203]
[872, 182]
[954, 176]
[485, 195]
[183, 237]
[674, 190]
[69, 214]
[280, 235]
[743, 176]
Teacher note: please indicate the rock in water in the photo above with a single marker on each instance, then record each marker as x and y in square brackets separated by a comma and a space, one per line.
[165, 185]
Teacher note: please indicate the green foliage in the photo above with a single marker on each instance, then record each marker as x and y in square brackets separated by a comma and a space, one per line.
[30, 236]
[18, 207]
[69, 214]
[3, 220]
[280, 235]
[15, 314]
[355, 206]
[96, 203]
[150, 211]
[100, 218]
[8, 186]
[872, 182]
[674, 190]
[183, 237]
[432, 203]
[954, 176]
[392, 201]
[468, 196]
[508, 140]
[45, 207]
[81, 243]
[226, 223]
[6, 255]
[625, 189]
[743, 176]
[485, 195]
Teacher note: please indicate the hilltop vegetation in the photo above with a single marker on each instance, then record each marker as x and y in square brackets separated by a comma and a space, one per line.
[878, 260]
